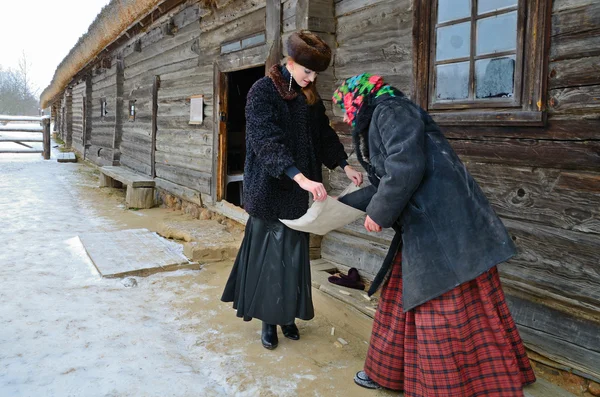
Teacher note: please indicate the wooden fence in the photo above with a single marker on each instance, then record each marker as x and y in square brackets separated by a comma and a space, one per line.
[29, 125]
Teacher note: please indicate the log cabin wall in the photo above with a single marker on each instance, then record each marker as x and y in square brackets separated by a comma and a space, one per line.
[174, 60]
[66, 118]
[78, 100]
[103, 112]
[544, 182]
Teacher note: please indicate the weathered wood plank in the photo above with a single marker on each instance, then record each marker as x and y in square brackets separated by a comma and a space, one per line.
[225, 16]
[559, 127]
[550, 197]
[345, 7]
[559, 261]
[196, 180]
[578, 19]
[183, 192]
[577, 45]
[378, 41]
[575, 72]
[575, 100]
[366, 256]
[527, 152]
[563, 5]
[200, 164]
[135, 164]
[560, 336]
[128, 176]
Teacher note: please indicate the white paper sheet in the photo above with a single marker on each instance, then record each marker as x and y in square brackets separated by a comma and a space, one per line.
[325, 216]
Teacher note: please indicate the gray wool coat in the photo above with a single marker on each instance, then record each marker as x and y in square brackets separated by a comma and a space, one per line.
[449, 232]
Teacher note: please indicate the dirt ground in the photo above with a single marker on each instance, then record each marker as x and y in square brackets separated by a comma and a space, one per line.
[65, 331]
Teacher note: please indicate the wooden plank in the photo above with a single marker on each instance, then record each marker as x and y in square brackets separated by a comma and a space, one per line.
[273, 33]
[131, 252]
[559, 336]
[551, 197]
[127, 177]
[21, 128]
[578, 19]
[559, 261]
[487, 118]
[22, 118]
[66, 158]
[575, 45]
[119, 109]
[154, 129]
[195, 180]
[346, 7]
[20, 151]
[575, 100]
[183, 192]
[350, 251]
[16, 140]
[575, 72]
[526, 152]
[559, 127]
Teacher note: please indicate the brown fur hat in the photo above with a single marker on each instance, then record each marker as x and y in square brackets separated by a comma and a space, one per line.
[309, 50]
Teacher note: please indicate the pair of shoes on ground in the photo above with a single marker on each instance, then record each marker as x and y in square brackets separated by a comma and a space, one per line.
[269, 338]
[362, 379]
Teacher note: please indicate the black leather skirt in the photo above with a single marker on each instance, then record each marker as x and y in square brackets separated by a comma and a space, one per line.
[270, 279]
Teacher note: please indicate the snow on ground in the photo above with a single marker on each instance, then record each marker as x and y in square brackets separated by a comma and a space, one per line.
[64, 331]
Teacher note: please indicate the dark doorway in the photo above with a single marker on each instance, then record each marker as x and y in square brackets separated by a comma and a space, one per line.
[238, 85]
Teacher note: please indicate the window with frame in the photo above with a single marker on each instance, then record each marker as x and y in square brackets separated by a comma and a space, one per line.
[479, 61]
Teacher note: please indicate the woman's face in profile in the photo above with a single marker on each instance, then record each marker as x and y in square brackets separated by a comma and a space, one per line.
[302, 75]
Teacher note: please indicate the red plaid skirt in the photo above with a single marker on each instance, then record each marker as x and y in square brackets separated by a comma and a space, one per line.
[461, 344]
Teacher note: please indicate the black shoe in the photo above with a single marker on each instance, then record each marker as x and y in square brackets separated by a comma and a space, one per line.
[362, 379]
[290, 331]
[269, 336]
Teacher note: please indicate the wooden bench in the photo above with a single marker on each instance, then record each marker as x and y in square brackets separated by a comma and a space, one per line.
[140, 188]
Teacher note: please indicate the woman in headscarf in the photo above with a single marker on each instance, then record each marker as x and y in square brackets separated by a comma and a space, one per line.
[442, 327]
[288, 139]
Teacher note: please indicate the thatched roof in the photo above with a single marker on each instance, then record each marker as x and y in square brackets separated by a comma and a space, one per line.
[114, 19]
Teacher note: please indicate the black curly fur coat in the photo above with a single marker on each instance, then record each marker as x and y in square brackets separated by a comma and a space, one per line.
[282, 130]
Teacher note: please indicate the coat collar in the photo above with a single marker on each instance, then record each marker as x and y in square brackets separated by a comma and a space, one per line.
[281, 79]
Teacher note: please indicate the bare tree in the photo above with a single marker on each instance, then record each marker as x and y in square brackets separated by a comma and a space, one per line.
[17, 94]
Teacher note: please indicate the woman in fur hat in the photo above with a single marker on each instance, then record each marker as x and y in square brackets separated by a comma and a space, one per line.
[442, 327]
[288, 139]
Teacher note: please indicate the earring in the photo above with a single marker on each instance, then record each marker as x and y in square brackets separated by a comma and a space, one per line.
[290, 86]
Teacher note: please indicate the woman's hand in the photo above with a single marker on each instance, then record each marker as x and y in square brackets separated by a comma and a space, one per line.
[317, 189]
[353, 175]
[371, 226]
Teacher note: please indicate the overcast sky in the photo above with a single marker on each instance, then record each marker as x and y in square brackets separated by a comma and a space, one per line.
[45, 30]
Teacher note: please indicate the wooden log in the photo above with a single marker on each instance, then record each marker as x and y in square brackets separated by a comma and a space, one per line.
[574, 72]
[575, 45]
[559, 127]
[526, 152]
[557, 335]
[575, 20]
[366, 256]
[559, 261]
[15, 151]
[576, 100]
[551, 197]
[183, 192]
[21, 128]
[46, 126]
[139, 197]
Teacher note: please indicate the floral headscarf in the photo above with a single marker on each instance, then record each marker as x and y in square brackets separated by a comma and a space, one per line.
[351, 95]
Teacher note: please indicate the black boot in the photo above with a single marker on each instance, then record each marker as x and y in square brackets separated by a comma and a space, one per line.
[269, 336]
[290, 331]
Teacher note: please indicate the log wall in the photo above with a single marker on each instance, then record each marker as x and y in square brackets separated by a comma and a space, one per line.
[79, 92]
[543, 182]
[104, 86]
